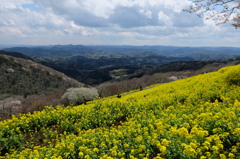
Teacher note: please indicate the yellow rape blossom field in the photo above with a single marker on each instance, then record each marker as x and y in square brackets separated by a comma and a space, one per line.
[197, 117]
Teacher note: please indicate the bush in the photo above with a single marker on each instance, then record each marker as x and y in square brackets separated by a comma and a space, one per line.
[233, 77]
[2, 59]
[81, 95]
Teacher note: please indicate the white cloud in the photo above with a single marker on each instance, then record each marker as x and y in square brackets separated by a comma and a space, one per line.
[132, 22]
[148, 13]
[101, 9]
[166, 19]
[102, 13]
[7, 4]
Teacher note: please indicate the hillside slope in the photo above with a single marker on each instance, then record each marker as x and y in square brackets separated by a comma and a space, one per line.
[196, 117]
[24, 77]
[26, 86]
[193, 67]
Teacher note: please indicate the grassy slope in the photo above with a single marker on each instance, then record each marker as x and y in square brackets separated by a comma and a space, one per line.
[197, 117]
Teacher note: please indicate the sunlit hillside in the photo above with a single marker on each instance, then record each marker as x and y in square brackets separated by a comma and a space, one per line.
[197, 117]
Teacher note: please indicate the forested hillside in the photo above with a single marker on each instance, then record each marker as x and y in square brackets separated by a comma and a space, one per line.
[26, 86]
[22, 77]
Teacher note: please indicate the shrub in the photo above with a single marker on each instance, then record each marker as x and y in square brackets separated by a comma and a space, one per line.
[233, 77]
[2, 59]
[81, 95]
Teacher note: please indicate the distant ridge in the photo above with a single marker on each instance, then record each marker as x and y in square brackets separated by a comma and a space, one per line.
[70, 50]
[17, 54]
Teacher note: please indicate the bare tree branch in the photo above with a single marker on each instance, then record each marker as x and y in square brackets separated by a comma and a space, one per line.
[221, 11]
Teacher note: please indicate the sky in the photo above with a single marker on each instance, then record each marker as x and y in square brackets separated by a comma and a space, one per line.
[109, 22]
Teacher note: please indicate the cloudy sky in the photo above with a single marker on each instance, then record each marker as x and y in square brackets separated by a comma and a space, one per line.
[111, 22]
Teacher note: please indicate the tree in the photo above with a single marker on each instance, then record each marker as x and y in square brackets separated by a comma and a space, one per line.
[221, 11]
[77, 96]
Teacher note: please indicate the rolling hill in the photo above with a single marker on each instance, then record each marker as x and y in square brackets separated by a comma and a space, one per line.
[24, 77]
[93, 64]
[193, 67]
[198, 53]
[26, 86]
[196, 117]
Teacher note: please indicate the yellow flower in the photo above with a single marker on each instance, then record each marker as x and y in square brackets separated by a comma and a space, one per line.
[158, 157]
[126, 145]
[215, 148]
[66, 154]
[132, 157]
[193, 145]
[142, 147]
[222, 156]
[189, 150]
[139, 139]
[208, 154]
[186, 125]
[183, 132]
[231, 155]
[234, 149]
[154, 135]
[71, 147]
[113, 152]
[217, 130]
[163, 149]
[96, 150]
[220, 146]
[80, 154]
[230, 125]
[165, 142]
[236, 131]
[202, 133]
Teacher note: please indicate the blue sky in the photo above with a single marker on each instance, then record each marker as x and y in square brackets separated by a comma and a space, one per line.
[109, 22]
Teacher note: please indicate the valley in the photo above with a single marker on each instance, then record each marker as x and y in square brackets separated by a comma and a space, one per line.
[94, 64]
[38, 76]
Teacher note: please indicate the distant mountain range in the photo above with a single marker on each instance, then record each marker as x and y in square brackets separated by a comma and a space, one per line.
[198, 53]
[93, 64]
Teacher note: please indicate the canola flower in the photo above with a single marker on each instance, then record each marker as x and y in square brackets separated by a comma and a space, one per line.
[197, 117]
